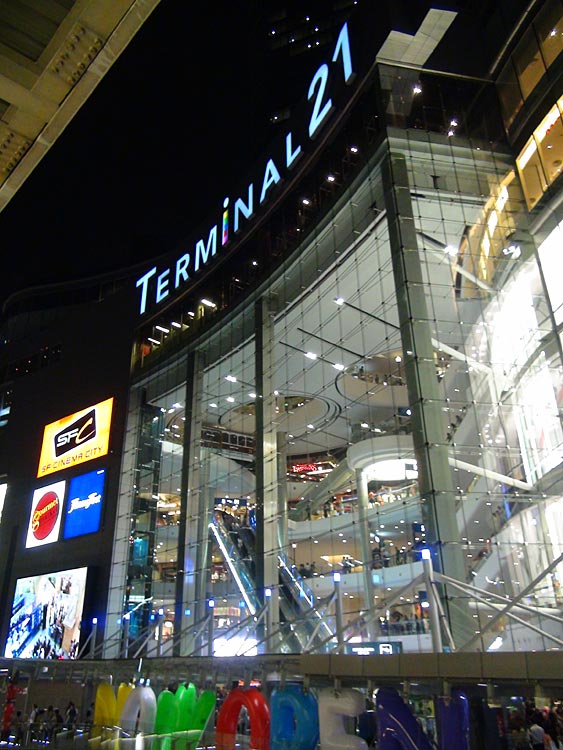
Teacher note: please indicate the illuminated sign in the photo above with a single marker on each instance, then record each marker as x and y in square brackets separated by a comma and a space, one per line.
[84, 504]
[3, 490]
[323, 467]
[372, 649]
[46, 616]
[75, 439]
[46, 514]
[159, 284]
[303, 468]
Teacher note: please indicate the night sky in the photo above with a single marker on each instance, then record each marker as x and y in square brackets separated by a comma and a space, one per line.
[173, 124]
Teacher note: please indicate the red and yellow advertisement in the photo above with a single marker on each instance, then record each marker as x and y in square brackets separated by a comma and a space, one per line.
[80, 437]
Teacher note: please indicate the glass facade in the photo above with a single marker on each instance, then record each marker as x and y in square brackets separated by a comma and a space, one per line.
[535, 53]
[374, 385]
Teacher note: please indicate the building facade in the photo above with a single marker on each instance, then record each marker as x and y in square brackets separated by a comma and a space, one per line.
[331, 420]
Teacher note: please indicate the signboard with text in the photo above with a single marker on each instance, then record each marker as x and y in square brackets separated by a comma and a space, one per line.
[83, 513]
[45, 516]
[73, 440]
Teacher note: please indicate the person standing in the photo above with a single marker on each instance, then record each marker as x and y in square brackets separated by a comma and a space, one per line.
[536, 733]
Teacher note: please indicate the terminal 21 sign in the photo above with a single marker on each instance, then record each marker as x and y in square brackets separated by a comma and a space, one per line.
[80, 437]
[156, 285]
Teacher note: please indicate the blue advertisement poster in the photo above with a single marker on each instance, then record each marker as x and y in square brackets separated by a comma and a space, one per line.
[84, 504]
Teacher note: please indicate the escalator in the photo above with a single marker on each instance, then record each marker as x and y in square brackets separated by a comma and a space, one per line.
[302, 625]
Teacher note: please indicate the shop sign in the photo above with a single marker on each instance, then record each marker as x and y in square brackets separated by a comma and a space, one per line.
[80, 437]
[84, 504]
[45, 516]
[376, 648]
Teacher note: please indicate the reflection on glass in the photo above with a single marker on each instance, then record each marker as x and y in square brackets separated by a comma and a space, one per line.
[528, 62]
[549, 27]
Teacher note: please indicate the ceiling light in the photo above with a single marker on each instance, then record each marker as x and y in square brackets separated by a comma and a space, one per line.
[252, 395]
[231, 378]
[163, 329]
[417, 88]
[331, 178]
[306, 201]
[230, 399]
[354, 149]
[153, 341]
[339, 301]
[310, 355]
[338, 366]
[176, 325]
[310, 426]
[207, 303]
[212, 406]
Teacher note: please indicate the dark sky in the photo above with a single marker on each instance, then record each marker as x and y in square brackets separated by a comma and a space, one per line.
[175, 123]
[151, 153]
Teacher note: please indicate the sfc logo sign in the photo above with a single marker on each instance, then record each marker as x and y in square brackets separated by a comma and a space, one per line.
[75, 439]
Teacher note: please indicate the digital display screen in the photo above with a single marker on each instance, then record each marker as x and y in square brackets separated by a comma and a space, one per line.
[73, 440]
[46, 616]
[46, 513]
[83, 512]
[3, 490]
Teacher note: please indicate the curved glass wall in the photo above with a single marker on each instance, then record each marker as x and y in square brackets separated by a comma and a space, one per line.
[389, 393]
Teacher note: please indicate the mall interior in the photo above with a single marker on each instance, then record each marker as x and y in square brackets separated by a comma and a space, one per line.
[325, 436]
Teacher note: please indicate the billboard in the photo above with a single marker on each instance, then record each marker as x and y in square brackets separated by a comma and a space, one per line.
[46, 514]
[80, 437]
[3, 489]
[83, 512]
[46, 615]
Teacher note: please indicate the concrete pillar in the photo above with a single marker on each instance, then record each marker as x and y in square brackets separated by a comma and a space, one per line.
[363, 506]
[267, 490]
[193, 544]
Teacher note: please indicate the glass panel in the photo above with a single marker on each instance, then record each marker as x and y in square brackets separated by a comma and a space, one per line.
[510, 94]
[549, 27]
[528, 62]
[552, 264]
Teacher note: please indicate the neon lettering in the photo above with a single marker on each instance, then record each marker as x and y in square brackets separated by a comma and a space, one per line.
[203, 253]
[162, 286]
[271, 177]
[143, 282]
[246, 209]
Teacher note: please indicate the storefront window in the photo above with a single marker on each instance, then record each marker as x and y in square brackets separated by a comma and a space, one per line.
[531, 172]
[549, 137]
[549, 27]
[539, 426]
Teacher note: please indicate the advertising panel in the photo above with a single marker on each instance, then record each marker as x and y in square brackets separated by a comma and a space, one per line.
[83, 513]
[46, 615]
[80, 437]
[46, 514]
[3, 490]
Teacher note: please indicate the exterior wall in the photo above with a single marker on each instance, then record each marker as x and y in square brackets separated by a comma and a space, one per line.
[93, 361]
